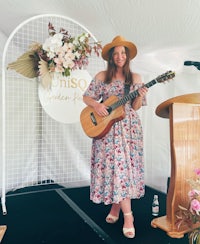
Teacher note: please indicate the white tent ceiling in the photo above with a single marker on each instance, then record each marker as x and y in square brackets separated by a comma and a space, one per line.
[166, 34]
[169, 23]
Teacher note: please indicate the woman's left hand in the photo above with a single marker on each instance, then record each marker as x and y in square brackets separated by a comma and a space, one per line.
[142, 91]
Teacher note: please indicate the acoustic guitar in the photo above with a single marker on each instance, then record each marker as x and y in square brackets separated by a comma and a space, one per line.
[96, 126]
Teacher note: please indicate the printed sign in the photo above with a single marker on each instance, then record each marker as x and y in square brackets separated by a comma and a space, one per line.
[63, 101]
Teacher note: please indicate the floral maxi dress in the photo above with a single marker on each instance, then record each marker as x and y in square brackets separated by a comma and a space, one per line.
[117, 164]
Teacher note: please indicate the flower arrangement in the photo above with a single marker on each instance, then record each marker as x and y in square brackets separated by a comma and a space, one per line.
[191, 215]
[60, 53]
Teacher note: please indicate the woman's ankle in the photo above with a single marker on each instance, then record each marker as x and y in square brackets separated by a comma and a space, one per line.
[128, 220]
[115, 210]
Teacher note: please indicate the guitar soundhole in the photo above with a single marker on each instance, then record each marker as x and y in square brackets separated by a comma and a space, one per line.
[93, 118]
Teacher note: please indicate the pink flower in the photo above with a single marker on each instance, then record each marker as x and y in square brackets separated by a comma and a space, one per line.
[58, 60]
[193, 193]
[59, 68]
[195, 206]
[197, 171]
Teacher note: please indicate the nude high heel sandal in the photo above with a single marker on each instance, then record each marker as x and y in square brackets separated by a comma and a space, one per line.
[111, 219]
[129, 232]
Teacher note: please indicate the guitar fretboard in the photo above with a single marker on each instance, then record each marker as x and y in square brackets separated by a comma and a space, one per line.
[131, 95]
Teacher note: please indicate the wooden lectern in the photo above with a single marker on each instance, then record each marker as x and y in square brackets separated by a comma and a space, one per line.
[184, 117]
[2, 231]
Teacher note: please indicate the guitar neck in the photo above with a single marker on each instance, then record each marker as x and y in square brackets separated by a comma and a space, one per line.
[131, 95]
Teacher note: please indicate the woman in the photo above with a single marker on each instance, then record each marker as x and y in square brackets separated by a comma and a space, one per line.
[117, 166]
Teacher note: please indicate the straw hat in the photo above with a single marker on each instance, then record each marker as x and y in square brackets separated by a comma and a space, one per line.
[119, 41]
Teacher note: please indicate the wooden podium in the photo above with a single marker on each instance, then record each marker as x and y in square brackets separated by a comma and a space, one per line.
[2, 231]
[184, 118]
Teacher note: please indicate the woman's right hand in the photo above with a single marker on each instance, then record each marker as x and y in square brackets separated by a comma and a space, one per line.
[101, 109]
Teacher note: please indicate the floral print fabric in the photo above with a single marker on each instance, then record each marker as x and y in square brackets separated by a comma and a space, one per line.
[117, 165]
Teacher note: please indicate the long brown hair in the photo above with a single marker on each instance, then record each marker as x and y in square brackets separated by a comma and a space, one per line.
[112, 68]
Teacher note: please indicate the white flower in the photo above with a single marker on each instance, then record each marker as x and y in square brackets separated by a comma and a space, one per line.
[70, 46]
[75, 41]
[77, 55]
[52, 44]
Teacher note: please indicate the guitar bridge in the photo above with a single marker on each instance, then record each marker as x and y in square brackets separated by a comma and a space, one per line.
[93, 118]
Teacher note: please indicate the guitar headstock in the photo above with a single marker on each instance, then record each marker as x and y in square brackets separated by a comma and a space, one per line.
[166, 76]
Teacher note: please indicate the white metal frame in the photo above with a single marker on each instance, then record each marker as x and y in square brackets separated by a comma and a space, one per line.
[3, 197]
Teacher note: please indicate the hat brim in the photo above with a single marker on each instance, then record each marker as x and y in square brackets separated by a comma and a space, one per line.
[132, 49]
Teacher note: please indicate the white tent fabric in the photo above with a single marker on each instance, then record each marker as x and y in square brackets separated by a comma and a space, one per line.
[166, 34]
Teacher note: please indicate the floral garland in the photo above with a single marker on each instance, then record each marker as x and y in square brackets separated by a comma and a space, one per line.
[60, 53]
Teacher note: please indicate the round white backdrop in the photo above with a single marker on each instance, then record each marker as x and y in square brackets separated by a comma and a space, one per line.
[63, 101]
